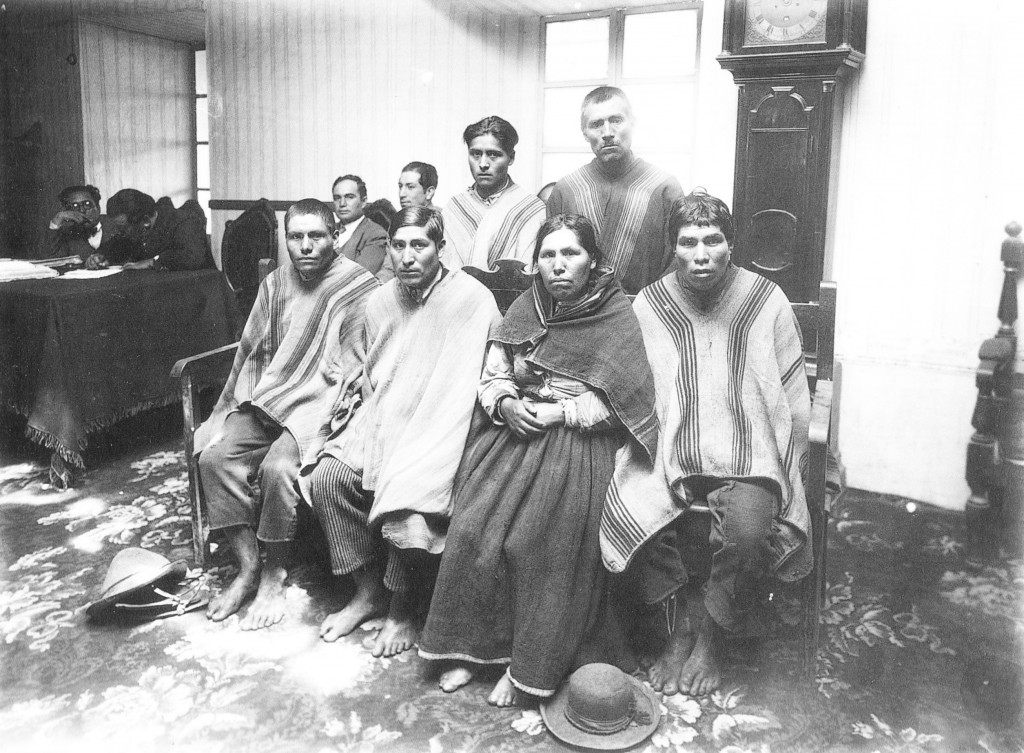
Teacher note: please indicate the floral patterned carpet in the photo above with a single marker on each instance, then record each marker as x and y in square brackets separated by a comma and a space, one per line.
[921, 650]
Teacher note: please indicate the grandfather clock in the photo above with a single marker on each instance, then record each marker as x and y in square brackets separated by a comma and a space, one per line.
[789, 59]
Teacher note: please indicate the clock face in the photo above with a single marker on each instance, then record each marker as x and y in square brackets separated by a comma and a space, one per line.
[772, 22]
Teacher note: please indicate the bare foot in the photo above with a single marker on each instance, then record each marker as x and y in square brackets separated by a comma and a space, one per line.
[664, 674]
[370, 600]
[504, 693]
[242, 541]
[702, 672]
[231, 599]
[673, 625]
[454, 678]
[268, 607]
[399, 632]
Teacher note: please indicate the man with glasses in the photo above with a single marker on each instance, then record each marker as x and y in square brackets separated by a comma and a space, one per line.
[78, 229]
[154, 235]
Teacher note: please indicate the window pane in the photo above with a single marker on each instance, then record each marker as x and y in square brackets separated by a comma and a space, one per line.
[203, 197]
[201, 87]
[660, 44]
[557, 165]
[202, 166]
[562, 116]
[665, 116]
[202, 120]
[677, 163]
[576, 50]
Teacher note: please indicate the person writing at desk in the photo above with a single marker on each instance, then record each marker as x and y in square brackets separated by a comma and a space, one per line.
[154, 235]
[78, 229]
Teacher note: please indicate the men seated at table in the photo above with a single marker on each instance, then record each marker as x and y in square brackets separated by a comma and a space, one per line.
[361, 240]
[152, 234]
[382, 490]
[628, 199]
[78, 229]
[417, 184]
[494, 218]
[301, 347]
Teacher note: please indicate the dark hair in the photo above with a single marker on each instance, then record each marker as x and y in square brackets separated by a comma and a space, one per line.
[355, 179]
[603, 94]
[91, 190]
[497, 127]
[702, 209]
[426, 171]
[380, 211]
[135, 205]
[581, 227]
[313, 207]
[424, 217]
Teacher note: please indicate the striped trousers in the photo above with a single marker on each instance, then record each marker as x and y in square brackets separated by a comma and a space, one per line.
[342, 506]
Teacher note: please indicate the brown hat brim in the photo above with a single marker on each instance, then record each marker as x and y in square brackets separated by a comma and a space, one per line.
[552, 712]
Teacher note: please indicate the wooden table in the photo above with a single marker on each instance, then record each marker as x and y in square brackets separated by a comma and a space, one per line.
[76, 356]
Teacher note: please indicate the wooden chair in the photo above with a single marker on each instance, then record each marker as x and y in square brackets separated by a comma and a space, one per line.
[824, 375]
[249, 240]
[193, 374]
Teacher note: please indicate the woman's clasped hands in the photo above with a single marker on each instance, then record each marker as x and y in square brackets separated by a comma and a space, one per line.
[528, 418]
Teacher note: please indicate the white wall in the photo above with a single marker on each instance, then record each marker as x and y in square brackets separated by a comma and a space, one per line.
[930, 173]
[138, 112]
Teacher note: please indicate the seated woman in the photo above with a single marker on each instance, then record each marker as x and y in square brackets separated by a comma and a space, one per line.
[521, 580]
[734, 407]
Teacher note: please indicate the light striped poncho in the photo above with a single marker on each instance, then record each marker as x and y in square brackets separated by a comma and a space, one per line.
[630, 213]
[423, 363]
[301, 348]
[478, 233]
[733, 402]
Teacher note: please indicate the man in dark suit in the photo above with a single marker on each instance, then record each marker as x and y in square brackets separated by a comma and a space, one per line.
[154, 235]
[360, 239]
[78, 229]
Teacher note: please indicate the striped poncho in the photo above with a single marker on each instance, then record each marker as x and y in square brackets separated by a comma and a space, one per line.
[631, 215]
[423, 362]
[301, 348]
[733, 402]
[479, 232]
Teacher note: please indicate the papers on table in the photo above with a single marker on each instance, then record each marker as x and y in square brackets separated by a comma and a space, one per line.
[17, 269]
[89, 274]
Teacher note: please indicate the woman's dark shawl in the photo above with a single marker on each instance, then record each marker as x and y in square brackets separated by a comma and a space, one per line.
[596, 341]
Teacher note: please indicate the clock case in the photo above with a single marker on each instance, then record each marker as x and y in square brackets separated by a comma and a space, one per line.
[787, 142]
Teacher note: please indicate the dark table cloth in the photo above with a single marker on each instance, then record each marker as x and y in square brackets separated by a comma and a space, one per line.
[79, 355]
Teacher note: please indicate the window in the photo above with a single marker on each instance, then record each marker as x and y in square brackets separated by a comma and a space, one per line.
[202, 137]
[652, 54]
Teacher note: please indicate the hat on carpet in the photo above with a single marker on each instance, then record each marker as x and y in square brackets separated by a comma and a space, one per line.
[602, 708]
[146, 585]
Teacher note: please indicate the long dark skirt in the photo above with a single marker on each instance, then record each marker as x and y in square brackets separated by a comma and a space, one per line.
[521, 577]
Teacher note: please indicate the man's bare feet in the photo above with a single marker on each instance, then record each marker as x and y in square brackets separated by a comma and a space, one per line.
[455, 677]
[399, 632]
[702, 672]
[246, 548]
[504, 693]
[269, 605]
[664, 671]
[234, 595]
[369, 601]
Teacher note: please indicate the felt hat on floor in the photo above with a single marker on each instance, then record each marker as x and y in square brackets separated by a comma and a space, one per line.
[602, 708]
[143, 584]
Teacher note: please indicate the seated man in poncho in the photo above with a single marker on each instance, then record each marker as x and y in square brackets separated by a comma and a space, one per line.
[301, 349]
[382, 490]
[734, 407]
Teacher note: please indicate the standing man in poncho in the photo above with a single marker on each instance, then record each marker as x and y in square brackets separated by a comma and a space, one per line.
[495, 218]
[382, 489]
[301, 348]
[628, 200]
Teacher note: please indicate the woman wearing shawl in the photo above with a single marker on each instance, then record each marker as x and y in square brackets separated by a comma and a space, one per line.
[565, 382]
